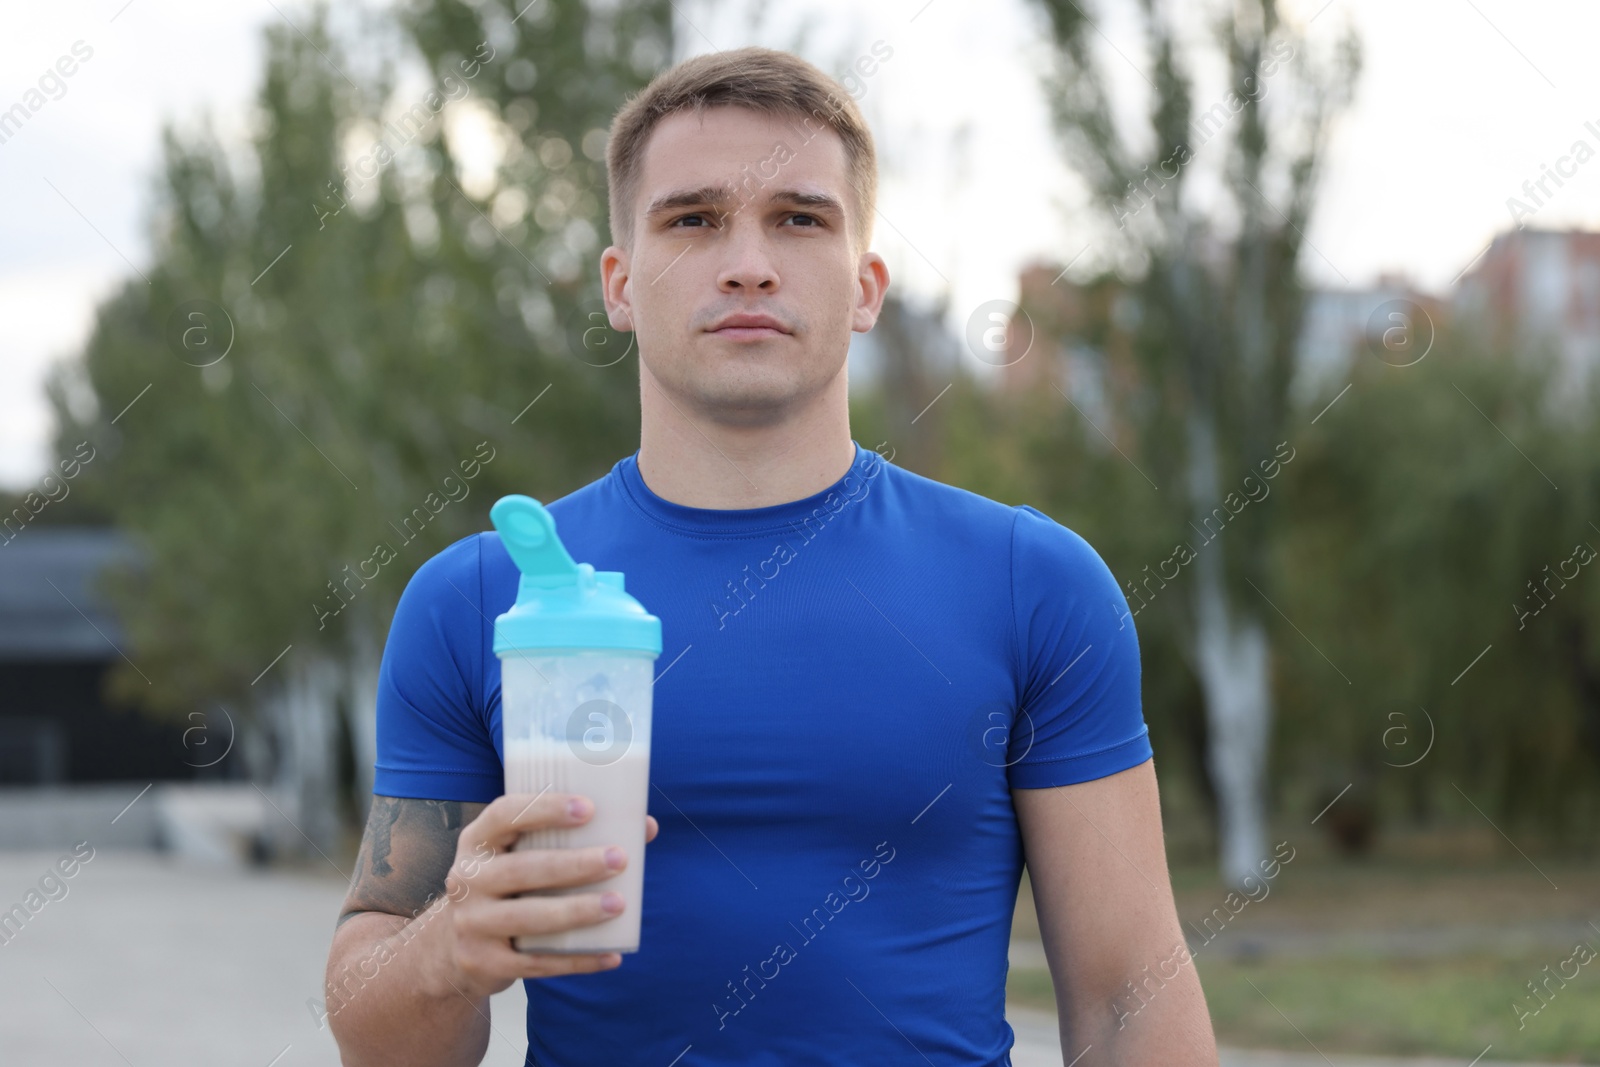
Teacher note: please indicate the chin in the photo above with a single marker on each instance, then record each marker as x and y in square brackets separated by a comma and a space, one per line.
[745, 397]
[748, 402]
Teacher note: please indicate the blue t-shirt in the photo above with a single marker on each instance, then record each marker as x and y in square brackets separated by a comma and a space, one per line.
[850, 686]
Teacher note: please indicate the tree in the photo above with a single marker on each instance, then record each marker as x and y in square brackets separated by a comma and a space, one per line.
[1445, 572]
[1218, 288]
[343, 351]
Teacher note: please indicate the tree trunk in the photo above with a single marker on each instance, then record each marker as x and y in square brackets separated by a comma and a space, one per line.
[362, 702]
[304, 718]
[1231, 657]
[1231, 651]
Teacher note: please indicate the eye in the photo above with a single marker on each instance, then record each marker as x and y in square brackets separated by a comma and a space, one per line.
[811, 220]
[698, 220]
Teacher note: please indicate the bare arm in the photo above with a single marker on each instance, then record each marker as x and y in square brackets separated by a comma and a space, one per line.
[1125, 985]
[423, 939]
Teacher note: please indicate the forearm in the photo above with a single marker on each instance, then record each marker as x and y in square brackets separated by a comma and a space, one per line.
[390, 1001]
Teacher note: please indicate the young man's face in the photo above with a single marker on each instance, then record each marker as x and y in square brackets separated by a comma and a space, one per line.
[743, 283]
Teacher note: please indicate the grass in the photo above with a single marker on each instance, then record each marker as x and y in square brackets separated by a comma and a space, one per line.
[1449, 1007]
[1441, 1005]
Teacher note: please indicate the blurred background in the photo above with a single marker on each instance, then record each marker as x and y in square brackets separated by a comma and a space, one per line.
[1291, 309]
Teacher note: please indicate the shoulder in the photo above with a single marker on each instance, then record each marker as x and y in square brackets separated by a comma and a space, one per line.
[1031, 537]
[955, 512]
[433, 658]
[1039, 539]
[451, 564]
[447, 584]
[1053, 568]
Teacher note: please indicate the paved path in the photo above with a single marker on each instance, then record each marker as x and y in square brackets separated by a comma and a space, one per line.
[1439, 942]
[146, 962]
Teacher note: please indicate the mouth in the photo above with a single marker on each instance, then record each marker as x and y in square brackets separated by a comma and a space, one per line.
[748, 333]
[749, 328]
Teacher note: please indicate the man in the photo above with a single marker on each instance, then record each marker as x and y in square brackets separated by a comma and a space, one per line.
[877, 694]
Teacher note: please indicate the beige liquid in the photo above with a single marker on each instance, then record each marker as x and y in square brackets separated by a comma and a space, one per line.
[620, 792]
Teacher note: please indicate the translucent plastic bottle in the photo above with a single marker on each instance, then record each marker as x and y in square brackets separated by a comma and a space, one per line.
[577, 657]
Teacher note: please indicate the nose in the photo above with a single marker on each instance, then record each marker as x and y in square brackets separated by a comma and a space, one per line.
[748, 264]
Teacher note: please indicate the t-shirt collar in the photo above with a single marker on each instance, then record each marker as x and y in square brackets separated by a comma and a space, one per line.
[736, 522]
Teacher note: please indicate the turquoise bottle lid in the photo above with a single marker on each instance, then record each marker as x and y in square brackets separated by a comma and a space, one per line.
[561, 604]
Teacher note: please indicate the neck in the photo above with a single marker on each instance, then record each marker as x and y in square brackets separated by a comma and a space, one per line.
[693, 459]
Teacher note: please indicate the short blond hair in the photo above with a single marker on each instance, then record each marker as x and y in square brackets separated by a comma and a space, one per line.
[763, 80]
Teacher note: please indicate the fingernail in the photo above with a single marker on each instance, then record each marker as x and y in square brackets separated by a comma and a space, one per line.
[611, 902]
[615, 858]
[578, 807]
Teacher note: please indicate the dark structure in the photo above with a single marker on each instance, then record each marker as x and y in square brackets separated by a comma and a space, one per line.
[58, 638]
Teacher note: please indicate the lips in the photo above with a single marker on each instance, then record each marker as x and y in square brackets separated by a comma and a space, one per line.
[749, 327]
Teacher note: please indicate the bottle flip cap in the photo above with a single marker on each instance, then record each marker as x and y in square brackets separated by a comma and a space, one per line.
[561, 604]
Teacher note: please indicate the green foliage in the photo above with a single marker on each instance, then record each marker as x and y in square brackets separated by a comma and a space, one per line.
[1421, 514]
[399, 357]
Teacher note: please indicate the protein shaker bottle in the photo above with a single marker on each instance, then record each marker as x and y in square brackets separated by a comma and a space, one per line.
[577, 660]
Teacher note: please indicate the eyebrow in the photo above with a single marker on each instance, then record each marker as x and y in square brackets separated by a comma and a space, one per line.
[719, 197]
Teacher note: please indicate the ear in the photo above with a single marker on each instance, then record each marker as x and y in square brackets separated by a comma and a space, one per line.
[615, 273]
[872, 284]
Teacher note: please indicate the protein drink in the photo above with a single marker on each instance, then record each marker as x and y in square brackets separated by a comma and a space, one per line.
[577, 657]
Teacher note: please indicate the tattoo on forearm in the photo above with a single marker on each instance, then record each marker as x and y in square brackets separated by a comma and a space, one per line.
[405, 854]
[385, 810]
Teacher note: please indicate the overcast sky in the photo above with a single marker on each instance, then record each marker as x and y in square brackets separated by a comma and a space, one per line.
[1461, 102]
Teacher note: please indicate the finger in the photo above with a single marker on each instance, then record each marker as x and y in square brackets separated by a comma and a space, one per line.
[503, 963]
[499, 920]
[553, 964]
[510, 873]
[508, 817]
[651, 828]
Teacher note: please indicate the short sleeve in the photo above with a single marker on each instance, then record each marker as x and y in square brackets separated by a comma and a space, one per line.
[1080, 715]
[434, 739]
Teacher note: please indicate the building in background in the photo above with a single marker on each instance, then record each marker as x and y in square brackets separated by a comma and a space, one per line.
[1391, 320]
[1538, 291]
[1076, 340]
[1532, 292]
[58, 638]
